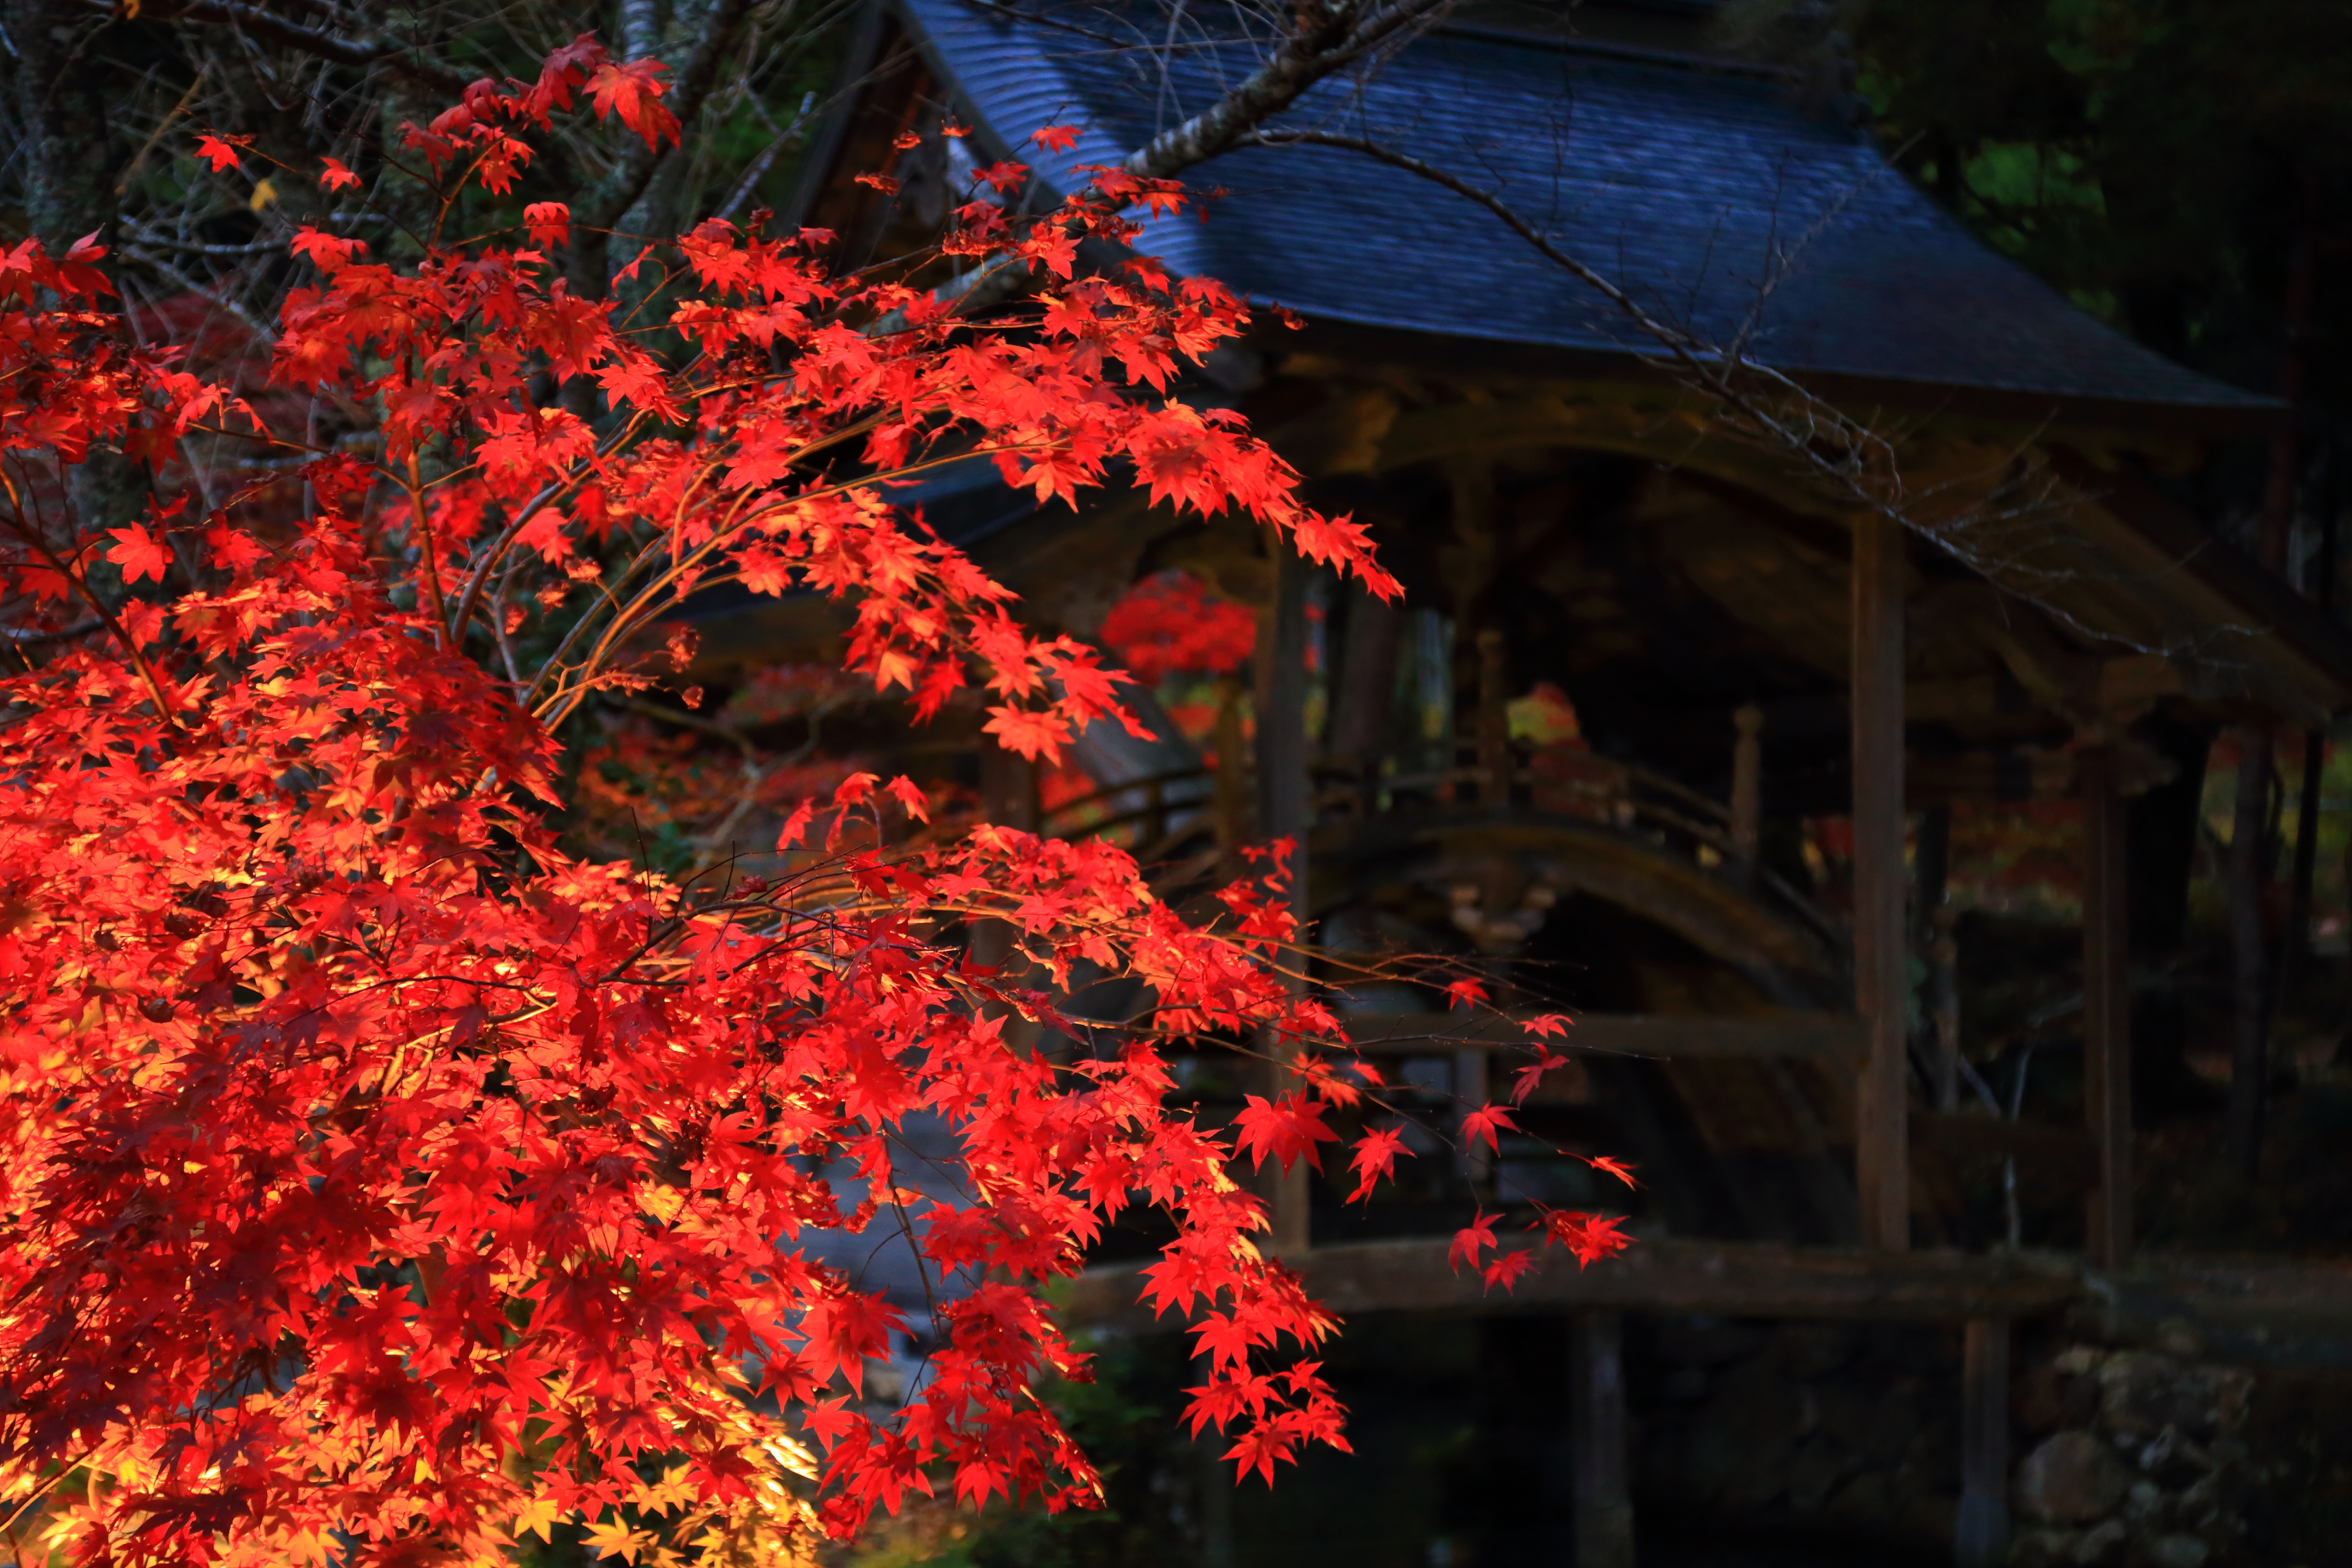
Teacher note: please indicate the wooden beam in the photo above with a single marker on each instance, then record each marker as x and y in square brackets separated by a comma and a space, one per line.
[1981, 1536]
[2287, 1313]
[1596, 1436]
[2106, 1005]
[1882, 1158]
[1833, 1037]
[1728, 1278]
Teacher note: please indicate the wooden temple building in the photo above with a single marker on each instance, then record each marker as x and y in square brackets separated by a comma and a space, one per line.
[1744, 649]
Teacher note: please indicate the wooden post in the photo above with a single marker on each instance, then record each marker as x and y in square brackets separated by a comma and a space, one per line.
[1233, 773]
[1494, 721]
[1983, 1535]
[1217, 1488]
[1282, 813]
[1882, 1155]
[1747, 789]
[1596, 1435]
[1367, 688]
[1944, 980]
[2106, 1004]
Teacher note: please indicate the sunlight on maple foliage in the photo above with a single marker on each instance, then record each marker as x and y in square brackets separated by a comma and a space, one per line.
[389, 1183]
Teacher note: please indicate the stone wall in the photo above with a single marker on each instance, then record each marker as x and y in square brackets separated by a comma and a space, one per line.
[2124, 1458]
[1818, 1430]
[2131, 1458]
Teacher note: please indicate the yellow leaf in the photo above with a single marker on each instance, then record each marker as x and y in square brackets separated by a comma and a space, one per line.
[264, 194]
[539, 1516]
[617, 1537]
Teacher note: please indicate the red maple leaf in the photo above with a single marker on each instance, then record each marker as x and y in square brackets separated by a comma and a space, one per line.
[1376, 1153]
[342, 867]
[633, 91]
[220, 152]
[1622, 1172]
[1507, 1268]
[1472, 1239]
[139, 555]
[1484, 1123]
[1286, 1128]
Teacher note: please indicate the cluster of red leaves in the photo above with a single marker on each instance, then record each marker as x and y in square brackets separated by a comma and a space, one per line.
[383, 1182]
[1170, 623]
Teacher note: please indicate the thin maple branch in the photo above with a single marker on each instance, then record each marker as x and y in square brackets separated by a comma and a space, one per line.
[1324, 39]
[40, 546]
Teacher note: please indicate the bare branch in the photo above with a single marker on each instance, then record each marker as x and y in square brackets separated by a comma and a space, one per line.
[629, 179]
[401, 58]
[1326, 38]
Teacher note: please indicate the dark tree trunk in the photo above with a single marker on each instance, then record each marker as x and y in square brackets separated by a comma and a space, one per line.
[69, 156]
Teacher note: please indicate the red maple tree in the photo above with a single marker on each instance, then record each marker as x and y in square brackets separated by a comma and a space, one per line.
[385, 1182]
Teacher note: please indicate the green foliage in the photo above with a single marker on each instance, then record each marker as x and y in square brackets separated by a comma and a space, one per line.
[2150, 157]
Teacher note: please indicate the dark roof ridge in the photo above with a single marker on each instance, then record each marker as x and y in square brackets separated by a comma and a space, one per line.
[1721, 206]
[1616, 48]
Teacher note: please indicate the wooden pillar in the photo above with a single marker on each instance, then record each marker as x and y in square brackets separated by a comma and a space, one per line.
[1747, 789]
[1470, 560]
[1366, 687]
[1232, 776]
[1217, 1487]
[1494, 721]
[1882, 1155]
[1982, 1533]
[2249, 882]
[1008, 787]
[1944, 985]
[1282, 813]
[2106, 1004]
[1596, 1435]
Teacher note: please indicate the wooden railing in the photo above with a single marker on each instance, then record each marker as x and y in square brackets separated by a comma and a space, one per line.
[1160, 815]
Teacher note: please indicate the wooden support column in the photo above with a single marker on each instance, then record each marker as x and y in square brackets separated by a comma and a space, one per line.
[2106, 1004]
[1232, 776]
[1217, 1487]
[1596, 1436]
[1282, 813]
[1982, 1533]
[1882, 1154]
[1470, 562]
[1944, 985]
[1367, 693]
[1494, 721]
[1008, 787]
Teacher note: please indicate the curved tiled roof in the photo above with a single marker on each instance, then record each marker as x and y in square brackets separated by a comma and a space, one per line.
[1689, 187]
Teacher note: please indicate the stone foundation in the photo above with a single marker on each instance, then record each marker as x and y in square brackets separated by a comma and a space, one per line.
[2122, 1458]
[2131, 1458]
